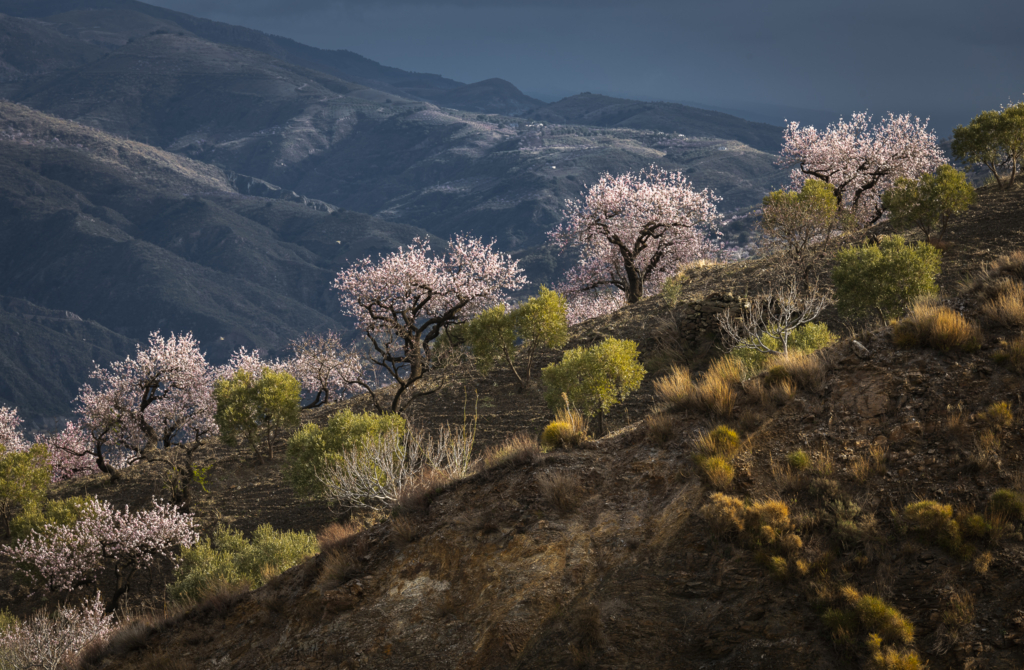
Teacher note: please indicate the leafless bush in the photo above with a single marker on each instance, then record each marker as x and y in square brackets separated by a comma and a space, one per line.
[768, 320]
[372, 476]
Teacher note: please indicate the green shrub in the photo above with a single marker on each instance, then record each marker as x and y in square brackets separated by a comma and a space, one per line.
[24, 478]
[312, 446]
[722, 441]
[935, 521]
[993, 139]
[37, 514]
[1008, 504]
[929, 202]
[886, 277]
[594, 378]
[799, 460]
[256, 410]
[8, 621]
[804, 225]
[229, 559]
[538, 322]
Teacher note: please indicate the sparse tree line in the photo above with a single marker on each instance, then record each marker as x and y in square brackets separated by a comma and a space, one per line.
[422, 313]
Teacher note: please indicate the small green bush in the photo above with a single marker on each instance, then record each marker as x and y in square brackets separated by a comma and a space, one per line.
[8, 621]
[935, 521]
[36, 515]
[717, 469]
[24, 478]
[1008, 504]
[539, 322]
[886, 277]
[928, 203]
[312, 446]
[594, 378]
[231, 560]
[799, 460]
[256, 410]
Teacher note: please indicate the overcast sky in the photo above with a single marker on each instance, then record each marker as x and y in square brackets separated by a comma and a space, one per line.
[806, 59]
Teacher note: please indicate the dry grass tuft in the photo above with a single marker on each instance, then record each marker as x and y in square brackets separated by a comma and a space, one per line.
[417, 493]
[520, 449]
[879, 618]
[336, 533]
[676, 388]
[1012, 355]
[337, 568]
[806, 369]
[714, 393]
[659, 428]
[725, 514]
[998, 416]
[1007, 307]
[718, 471]
[930, 324]
[561, 490]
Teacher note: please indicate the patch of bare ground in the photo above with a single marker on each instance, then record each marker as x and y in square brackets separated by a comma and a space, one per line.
[618, 554]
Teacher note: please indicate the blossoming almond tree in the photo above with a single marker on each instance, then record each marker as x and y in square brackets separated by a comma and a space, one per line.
[157, 406]
[10, 429]
[50, 641]
[70, 452]
[861, 160]
[324, 366]
[405, 300]
[633, 230]
[103, 542]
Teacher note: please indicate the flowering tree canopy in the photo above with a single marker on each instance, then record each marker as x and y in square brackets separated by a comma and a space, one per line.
[860, 160]
[150, 406]
[324, 366]
[70, 452]
[50, 641]
[104, 541]
[10, 429]
[405, 300]
[632, 230]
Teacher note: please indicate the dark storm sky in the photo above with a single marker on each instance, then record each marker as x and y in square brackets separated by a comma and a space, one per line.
[770, 59]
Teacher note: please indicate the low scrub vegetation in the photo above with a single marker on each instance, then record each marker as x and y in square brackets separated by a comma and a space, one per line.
[884, 278]
[930, 324]
[312, 449]
[230, 560]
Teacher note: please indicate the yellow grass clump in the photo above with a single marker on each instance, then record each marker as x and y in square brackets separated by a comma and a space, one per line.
[937, 326]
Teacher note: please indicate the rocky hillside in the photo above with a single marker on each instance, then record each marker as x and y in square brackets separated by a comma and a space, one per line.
[624, 553]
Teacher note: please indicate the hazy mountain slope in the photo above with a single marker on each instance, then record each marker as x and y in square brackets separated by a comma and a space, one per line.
[601, 110]
[491, 96]
[31, 48]
[45, 356]
[138, 239]
[168, 89]
[340, 63]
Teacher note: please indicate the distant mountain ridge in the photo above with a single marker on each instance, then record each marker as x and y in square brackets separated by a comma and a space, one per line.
[110, 239]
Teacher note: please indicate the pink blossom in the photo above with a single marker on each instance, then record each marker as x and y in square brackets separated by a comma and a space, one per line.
[631, 231]
[582, 306]
[71, 452]
[49, 642]
[404, 301]
[162, 398]
[861, 161]
[250, 361]
[104, 541]
[325, 367]
[10, 430]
